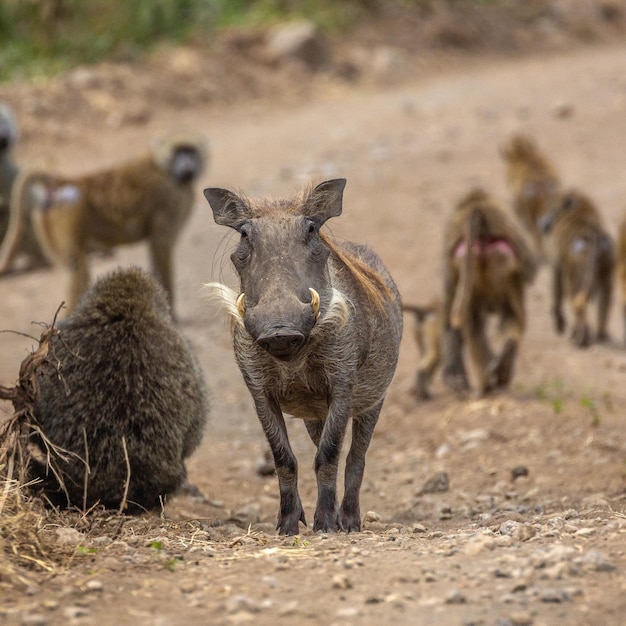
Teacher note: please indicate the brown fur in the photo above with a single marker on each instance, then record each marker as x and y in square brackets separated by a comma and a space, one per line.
[533, 182]
[427, 332]
[140, 200]
[621, 267]
[488, 264]
[583, 263]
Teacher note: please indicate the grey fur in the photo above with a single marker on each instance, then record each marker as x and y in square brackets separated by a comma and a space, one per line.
[8, 169]
[120, 368]
[346, 360]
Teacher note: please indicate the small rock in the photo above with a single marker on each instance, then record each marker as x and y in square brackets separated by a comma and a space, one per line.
[518, 471]
[94, 585]
[554, 595]
[597, 561]
[517, 530]
[419, 528]
[478, 544]
[73, 612]
[299, 41]
[372, 516]
[34, 619]
[69, 537]
[563, 109]
[455, 597]
[240, 603]
[438, 483]
[521, 618]
[341, 581]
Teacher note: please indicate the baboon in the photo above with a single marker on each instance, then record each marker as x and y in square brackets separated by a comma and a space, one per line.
[122, 395]
[583, 263]
[428, 327]
[149, 198]
[533, 182]
[8, 168]
[621, 263]
[487, 265]
[9, 173]
[316, 334]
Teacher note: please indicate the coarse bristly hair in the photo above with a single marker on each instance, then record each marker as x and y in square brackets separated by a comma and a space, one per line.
[338, 311]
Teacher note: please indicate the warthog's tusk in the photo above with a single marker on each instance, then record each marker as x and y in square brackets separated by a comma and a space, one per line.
[241, 304]
[315, 302]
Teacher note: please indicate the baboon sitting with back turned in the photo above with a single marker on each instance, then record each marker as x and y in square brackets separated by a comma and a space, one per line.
[122, 394]
[149, 198]
[533, 181]
[583, 263]
[487, 266]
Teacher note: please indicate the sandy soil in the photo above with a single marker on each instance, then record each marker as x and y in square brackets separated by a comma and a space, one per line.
[545, 548]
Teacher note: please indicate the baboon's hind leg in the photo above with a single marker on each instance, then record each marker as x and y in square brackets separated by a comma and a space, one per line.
[501, 368]
[479, 349]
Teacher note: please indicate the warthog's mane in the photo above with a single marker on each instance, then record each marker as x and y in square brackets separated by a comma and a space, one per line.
[369, 281]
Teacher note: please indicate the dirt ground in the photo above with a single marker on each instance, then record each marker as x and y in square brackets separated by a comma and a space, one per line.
[483, 546]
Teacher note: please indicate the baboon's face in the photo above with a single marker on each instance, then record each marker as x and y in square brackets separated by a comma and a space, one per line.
[186, 164]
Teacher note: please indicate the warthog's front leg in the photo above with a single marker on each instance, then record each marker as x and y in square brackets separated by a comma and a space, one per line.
[273, 422]
[327, 517]
[362, 430]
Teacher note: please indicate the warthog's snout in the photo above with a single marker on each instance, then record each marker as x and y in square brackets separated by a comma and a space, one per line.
[281, 342]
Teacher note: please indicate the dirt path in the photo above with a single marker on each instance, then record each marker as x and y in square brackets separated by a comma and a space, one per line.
[546, 548]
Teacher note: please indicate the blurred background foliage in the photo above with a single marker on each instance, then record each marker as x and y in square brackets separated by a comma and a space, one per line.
[46, 36]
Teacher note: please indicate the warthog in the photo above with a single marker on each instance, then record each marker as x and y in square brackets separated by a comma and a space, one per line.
[316, 333]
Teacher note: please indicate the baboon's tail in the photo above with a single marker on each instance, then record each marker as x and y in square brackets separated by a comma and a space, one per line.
[474, 228]
[421, 312]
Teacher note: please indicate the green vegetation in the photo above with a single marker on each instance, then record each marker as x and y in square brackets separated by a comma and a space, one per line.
[46, 36]
[556, 394]
[41, 37]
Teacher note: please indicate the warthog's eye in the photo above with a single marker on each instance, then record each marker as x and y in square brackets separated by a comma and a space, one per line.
[244, 248]
[310, 230]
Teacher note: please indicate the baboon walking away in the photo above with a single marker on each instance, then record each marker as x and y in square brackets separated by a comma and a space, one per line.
[582, 256]
[534, 184]
[316, 334]
[487, 266]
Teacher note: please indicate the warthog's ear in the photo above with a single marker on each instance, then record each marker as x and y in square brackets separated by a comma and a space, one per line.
[228, 208]
[325, 200]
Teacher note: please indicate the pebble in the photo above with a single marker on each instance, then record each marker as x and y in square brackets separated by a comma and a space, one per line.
[372, 516]
[341, 581]
[438, 483]
[456, 596]
[596, 560]
[68, 536]
[554, 595]
[34, 619]
[94, 585]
